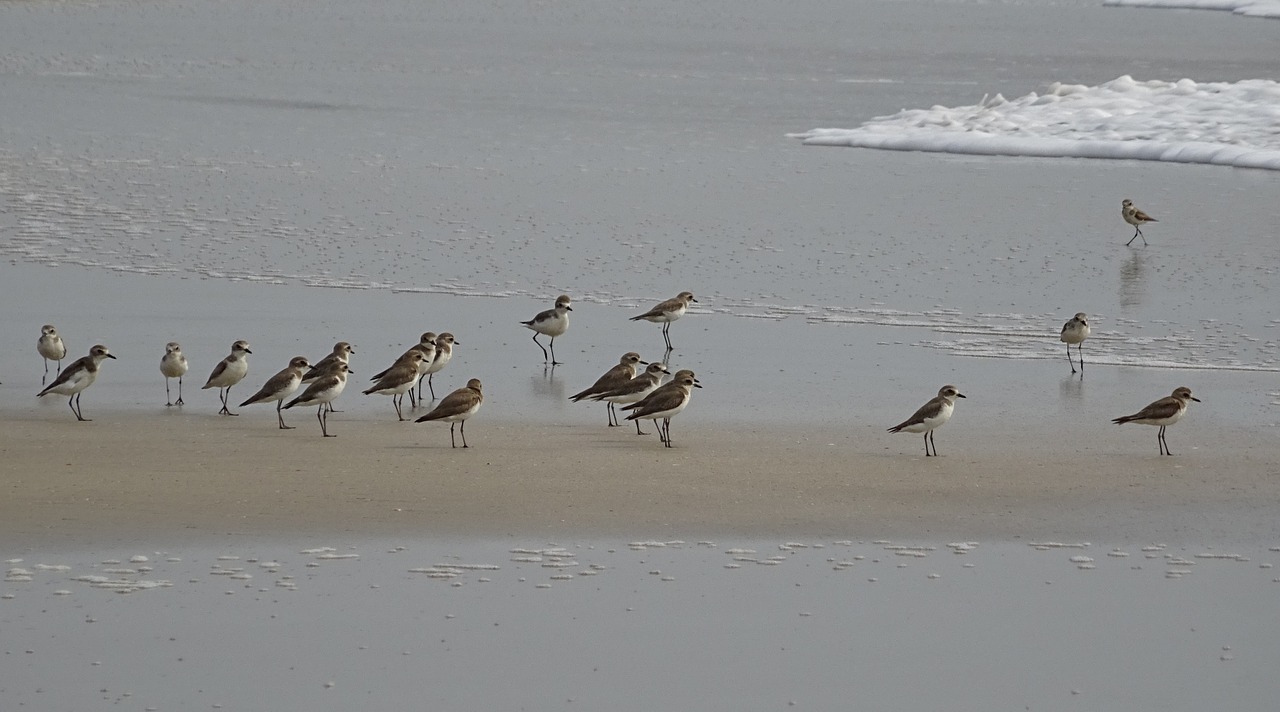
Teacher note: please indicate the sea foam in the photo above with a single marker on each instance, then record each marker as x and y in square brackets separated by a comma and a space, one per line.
[1217, 123]
[1249, 8]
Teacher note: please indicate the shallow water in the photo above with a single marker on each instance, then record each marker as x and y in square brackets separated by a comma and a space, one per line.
[622, 155]
[718, 625]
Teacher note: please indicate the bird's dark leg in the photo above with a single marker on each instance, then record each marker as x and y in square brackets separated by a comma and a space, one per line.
[666, 335]
[280, 415]
[395, 401]
[638, 430]
[554, 362]
[1080, 353]
[1164, 441]
[432, 387]
[463, 431]
[451, 441]
[1073, 366]
[545, 357]
[613, 417]
[72, 403]
[167, 400]
[166, 384]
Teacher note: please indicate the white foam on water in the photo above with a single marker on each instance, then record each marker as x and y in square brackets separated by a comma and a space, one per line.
[1214, 123]
[1248, 8]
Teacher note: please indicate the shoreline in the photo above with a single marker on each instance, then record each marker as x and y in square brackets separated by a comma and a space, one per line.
[140, 478]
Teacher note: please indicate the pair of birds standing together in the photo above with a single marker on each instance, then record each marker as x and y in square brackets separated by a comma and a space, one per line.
[937, 412]
[642, 394]
[555, 321]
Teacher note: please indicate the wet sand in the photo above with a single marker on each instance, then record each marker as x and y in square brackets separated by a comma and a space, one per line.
[191, 477]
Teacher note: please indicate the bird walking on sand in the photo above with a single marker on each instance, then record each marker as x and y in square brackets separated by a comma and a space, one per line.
[173, 365]
[666, 403]
[281, 386]
[51, 348]
[229, 371]
[931, 416]
[1075, 332]
[1136, 218]
[322, 392]
[1162, 413]
[552, 322]
[456, 408]
[635, 390]
[399, 379]
[444, 353]
[78, 376]
[427, 347]
[667, 312]
[619, 375]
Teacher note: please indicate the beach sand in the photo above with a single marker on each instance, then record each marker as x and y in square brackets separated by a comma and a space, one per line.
[172, 477]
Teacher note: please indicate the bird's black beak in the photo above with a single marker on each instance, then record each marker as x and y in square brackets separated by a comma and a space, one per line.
[1192, 397]
[113, 356]
[961, 395]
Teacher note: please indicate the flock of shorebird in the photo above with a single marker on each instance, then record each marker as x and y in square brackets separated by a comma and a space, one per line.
[644, 395]
[642, 392]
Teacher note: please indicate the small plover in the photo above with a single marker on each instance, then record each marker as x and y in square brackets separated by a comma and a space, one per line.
[444, 353]
[636, 389]
[616, 377]
[552, 322]
[456, 408]
[667, 312]
[1075, 332]
[76, 377]
[666, 403]
[930, 417]
[229, 371]
[427, 347]
[399, 379]
[322, 391]
[1162, 413]
[281, 386]
[173, 365]
[1136, 218]
[51, 348]
[341, 354]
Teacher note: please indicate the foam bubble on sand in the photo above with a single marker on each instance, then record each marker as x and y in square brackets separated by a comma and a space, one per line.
[1248, 8]
[1216, 123]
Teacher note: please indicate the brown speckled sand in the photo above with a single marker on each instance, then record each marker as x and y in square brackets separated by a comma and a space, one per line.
[133, 476]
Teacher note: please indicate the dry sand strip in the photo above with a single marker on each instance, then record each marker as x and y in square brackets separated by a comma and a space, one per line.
[139, 477]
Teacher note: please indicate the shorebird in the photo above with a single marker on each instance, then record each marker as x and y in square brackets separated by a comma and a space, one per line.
[666, 403]
[1136, 218]
[78, 376]
[456, 408]
[427, 347]
[399, 379]
[553, 323]
[635, 390]
[281, 386]
[444, 353]
[930, 417]
[51, 348]
[615, 377]
[341, 354]
[667, 312]
[173, 365]
[1075, 332]
[321, 393]
[1162, 413]
[229, 371]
